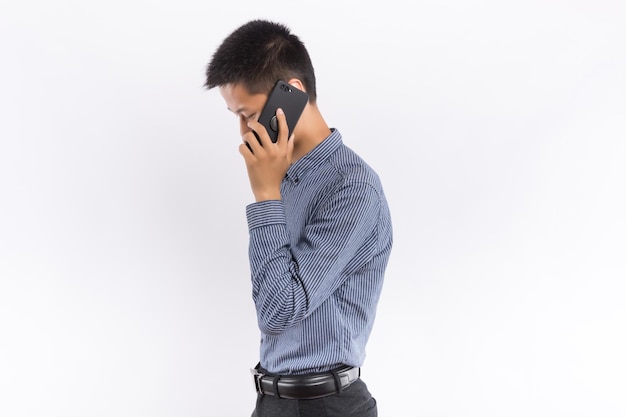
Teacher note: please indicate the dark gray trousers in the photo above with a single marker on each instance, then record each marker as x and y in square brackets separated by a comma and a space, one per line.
[353, 401]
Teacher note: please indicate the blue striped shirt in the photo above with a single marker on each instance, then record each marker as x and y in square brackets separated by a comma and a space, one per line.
[317, 259]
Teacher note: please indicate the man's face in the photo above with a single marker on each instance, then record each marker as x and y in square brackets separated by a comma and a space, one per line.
[245, 105]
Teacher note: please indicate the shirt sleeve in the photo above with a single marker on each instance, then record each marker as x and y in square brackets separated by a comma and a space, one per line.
[289, 281]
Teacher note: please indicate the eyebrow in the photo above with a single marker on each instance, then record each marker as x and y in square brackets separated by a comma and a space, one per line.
[239, 110]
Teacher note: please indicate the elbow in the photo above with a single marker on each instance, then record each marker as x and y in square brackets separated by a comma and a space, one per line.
[280, 311]
[271, 327]
[274, 322]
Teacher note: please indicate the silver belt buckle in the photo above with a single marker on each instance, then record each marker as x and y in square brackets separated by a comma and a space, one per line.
[256, 375]
[350, 376]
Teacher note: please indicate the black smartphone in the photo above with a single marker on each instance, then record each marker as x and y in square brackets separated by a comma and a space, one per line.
[291, 99]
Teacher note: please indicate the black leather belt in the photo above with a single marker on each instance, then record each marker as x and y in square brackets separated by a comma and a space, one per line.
[305, 387]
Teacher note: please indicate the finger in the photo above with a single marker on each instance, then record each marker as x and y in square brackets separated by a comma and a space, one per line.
[259, 131]
[252, 141]
[283, 129]
[246, 151]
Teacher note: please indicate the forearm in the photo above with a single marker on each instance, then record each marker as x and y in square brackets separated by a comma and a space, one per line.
[291, 279]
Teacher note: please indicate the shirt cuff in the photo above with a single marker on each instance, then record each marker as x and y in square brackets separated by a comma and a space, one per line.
[265, 213]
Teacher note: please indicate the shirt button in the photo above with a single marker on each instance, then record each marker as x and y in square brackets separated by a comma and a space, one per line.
[296, 180]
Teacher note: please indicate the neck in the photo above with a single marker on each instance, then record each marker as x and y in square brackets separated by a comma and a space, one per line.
[312, 130]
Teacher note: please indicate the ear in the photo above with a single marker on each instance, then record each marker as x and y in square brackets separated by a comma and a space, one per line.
[294, 82]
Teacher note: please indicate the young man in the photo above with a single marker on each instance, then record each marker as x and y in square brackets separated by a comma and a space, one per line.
[320, 233]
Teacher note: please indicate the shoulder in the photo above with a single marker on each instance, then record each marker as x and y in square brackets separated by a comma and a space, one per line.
[352, 168]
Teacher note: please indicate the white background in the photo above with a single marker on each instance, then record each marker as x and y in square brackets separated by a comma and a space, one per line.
[497, 127]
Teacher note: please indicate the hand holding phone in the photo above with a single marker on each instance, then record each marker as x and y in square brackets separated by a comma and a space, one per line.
[291, 99]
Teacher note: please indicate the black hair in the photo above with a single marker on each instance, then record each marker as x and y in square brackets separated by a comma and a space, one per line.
[258, 54]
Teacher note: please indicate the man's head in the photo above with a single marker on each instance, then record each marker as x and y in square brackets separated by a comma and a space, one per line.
[258, 54]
